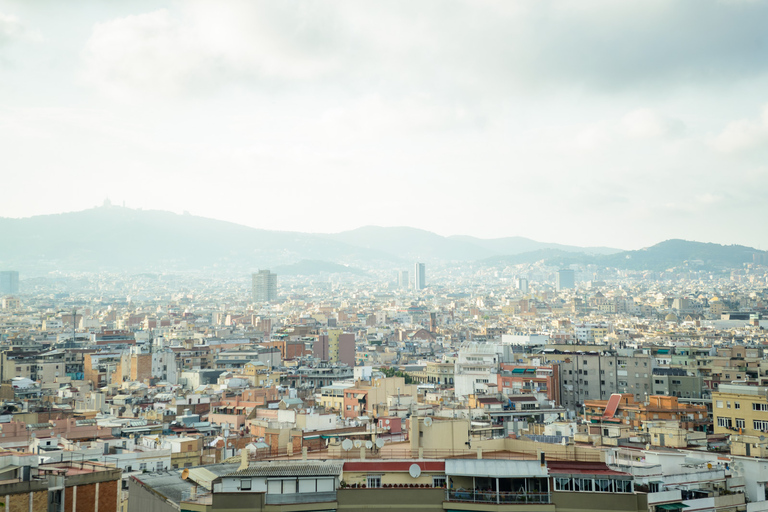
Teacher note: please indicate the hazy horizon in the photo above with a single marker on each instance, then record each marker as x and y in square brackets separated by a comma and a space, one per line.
[588, 123]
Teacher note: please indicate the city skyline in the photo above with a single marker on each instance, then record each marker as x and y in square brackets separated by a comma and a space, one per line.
[499, 108]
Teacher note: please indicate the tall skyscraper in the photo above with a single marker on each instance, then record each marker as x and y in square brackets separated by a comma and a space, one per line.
[402, 279]
[565, 279]
[419, 279]
[9, 282]
[264, 286]
[522, 284]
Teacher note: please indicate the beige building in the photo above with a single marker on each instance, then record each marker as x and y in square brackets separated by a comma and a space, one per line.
[740, 409]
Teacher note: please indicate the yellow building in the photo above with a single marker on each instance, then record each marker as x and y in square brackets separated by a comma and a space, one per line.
[333, 344]
[740, 409]
[260, 375]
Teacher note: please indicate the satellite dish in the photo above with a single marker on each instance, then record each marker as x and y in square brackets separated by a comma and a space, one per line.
[414, 471]
[368, 445]
[427, 421]
[358, 443]
[380, 443]
[762, 438]
[185, 474]
[386, 422]
[346, 445]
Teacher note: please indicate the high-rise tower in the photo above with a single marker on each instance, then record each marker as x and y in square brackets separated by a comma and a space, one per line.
[9, 282]
[264, 286]
[419, 279]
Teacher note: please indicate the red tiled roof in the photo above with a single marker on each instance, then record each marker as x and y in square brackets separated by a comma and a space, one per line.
[394, 465]
[577, 467]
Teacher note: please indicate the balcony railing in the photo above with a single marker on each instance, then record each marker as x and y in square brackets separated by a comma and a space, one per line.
[313, 497]
[497, 497]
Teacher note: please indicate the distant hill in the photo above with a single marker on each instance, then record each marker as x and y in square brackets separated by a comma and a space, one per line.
[554, 257]
[112, 238]
[314, 267]
[411, 244]
[419, 245]
[116, 238]
[675, 253]
[520, 245]
[662, 256]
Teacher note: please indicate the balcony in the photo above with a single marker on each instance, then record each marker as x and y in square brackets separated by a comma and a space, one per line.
[470, 496]
[312, 497]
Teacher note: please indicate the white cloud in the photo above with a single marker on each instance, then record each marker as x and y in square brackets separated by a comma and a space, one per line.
[203, 47]
[645, 123]
[744, 134]
[10, 28]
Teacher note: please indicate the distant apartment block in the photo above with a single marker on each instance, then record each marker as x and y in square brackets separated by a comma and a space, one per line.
[402, 279]
[264, 286]
[9, 282]
[565, 279]
[419, 277]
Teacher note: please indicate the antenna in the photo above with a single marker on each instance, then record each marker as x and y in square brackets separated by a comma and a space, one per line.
[358, 443]
[427, 421]
[368, 445]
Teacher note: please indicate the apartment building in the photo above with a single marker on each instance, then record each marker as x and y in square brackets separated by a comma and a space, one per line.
[742, 409]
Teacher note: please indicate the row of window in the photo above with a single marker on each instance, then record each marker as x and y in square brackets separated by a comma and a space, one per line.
[761, 425]
[374, 481]
[589, 484]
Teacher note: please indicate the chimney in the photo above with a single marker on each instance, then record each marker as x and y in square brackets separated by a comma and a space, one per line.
[243, 459]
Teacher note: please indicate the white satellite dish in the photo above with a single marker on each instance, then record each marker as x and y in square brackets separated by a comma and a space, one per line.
[427, 421]
[386, 422]
[380, 443]
[368, 445]
[358, 443]
[346, 445]
[414, 471]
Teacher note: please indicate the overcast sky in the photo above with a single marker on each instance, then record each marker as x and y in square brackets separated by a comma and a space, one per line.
[618, 123]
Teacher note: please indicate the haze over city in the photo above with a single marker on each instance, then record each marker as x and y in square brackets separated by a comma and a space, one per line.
[582, 122]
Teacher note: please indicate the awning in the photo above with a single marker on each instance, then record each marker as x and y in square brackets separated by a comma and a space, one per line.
[671, 506]
[518, 370]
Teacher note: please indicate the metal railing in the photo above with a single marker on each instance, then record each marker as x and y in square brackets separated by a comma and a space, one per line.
[497, 497]
[407, 453]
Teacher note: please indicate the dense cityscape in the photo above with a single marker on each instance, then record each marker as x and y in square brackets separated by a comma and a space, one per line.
[576, 388]
[376, 256]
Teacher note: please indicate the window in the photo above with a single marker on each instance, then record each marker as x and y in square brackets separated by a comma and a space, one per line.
[602, 485]
[728, 405]
[760, 407]
[143, 466]
[622, 485]
[159, 466]
[719, 404]
[724, 422]
[582, 484]
[760, 425]
[438, 481]
[740, 423]
[374, 481]
[245, 484]
[563, 484]
[736, 405]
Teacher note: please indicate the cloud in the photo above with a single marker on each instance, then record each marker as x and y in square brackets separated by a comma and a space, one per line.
[10, 29]
[204, 48]
[460, 49]
[743, 135]
[645, 123]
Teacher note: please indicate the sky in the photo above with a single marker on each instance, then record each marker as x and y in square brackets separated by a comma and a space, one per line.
[580, 122]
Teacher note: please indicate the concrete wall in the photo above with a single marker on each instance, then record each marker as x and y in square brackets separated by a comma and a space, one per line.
[391, 499]
[614, 502]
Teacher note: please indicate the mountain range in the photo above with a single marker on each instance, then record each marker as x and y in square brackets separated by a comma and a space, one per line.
[112, 238]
